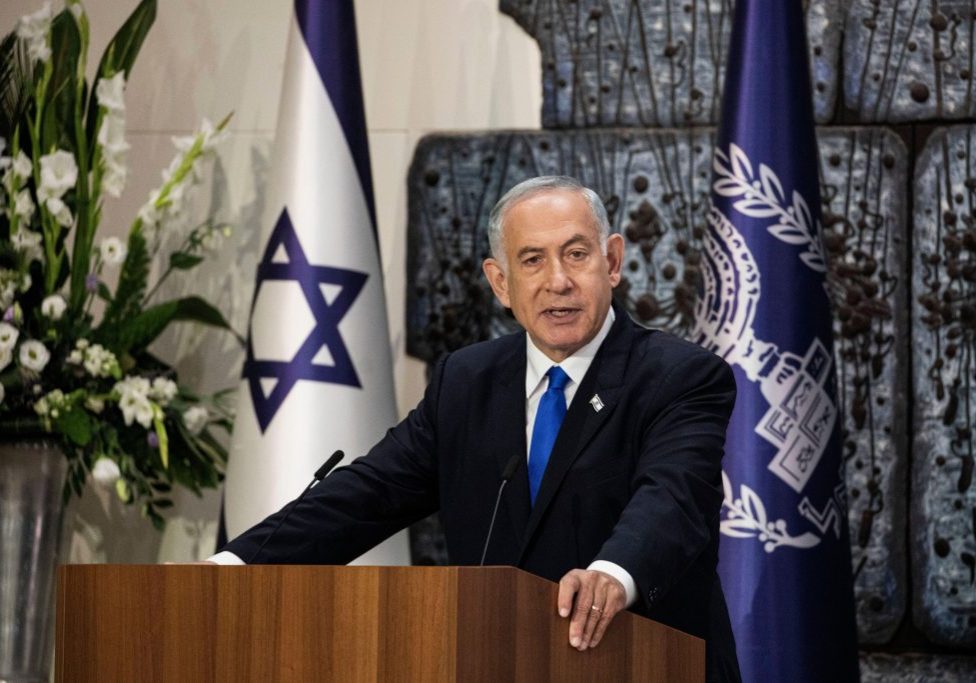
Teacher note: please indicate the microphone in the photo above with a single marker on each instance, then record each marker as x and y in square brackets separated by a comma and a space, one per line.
[507, 475]
[319, 475]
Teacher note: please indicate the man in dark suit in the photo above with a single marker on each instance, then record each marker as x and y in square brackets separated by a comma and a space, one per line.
[621, 430]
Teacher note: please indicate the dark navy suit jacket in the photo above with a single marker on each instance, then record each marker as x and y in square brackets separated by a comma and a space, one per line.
[637, 482]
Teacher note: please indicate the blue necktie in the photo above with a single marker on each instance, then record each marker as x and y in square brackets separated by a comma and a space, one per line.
[548, 419]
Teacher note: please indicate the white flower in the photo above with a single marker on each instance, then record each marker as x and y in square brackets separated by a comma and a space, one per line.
[25, 282]
[6, 355]
[110, 92]
[116, 173]
[105, 472]
[24, 204]
[60, 211]
[59, 173]
[22, 165]
[133, 385]
[163, 390]
[96, 405]
[112, 250]
[54, 306]
[136, 407]
[195, 419]
[74, 358]
[8, 336]
[28, 243]
[99, 361]
[34, 29]
[111, 135]
[34, 355]
[149, 214]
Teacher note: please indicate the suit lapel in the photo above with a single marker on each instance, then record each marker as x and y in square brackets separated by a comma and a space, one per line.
[505, 435]
[605, 379]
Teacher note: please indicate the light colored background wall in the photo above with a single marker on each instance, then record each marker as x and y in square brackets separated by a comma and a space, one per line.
[427, 65]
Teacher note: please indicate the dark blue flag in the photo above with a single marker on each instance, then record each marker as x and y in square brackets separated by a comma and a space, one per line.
[785, 559]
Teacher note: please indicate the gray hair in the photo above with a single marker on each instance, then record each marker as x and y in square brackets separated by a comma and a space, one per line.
[533, 186]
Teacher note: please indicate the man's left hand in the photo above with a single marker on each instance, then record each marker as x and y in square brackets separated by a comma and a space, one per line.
[598, 598]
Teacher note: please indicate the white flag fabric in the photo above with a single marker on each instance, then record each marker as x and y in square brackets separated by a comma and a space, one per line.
[318, 373]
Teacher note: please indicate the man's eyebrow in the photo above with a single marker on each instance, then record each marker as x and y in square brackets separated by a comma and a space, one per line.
[524, 251]
[578, 237]
[575, 239]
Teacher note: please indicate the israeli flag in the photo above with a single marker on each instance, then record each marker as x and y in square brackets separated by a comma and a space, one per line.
[318, 373]
[784, 556]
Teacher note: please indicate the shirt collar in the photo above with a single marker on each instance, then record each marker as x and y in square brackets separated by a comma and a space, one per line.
[538, 364]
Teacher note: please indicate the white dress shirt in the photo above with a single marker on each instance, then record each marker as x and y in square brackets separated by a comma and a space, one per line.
[536, 366]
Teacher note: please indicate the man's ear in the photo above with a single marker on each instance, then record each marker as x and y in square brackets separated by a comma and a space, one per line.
[615, 257]
[496, 278]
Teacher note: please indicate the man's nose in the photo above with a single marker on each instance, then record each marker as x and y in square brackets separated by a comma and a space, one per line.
[557, 279]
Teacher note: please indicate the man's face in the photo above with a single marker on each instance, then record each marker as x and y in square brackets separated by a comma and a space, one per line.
[556, 281]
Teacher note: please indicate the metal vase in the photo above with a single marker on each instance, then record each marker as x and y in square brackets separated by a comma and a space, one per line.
[31, 510]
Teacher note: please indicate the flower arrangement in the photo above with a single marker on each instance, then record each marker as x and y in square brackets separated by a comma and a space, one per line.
[75, 363]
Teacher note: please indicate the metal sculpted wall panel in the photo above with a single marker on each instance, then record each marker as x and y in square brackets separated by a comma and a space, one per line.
[911, 60]
[944, 329]
[879, 668]
[655, 185]
[656, 63]
[864, 176]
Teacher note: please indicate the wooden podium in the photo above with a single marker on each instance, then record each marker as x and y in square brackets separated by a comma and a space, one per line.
[187, 623]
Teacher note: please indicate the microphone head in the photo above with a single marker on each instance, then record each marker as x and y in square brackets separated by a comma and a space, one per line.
[329, 464]
[511, 466]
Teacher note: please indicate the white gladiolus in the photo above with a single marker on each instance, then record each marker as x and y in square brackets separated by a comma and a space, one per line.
[22, 165]
[195, 419]
[54, 306]
[8, 336]
[111, 136]
[34, 355]
[98, 361]
[60, 211]
[34, 29]
[110, 92]
[28, 243]
[24, 205]
[106, 472]
[113, 181]
[59, 173]
[113, 251]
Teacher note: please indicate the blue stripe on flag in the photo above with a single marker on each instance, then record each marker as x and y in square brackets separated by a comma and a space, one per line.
[329, 30]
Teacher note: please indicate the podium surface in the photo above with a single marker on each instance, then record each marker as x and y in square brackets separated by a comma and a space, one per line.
[162, 623]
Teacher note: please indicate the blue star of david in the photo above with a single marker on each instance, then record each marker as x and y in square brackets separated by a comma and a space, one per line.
[326, 330]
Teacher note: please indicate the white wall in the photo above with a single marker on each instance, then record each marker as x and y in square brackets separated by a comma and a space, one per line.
[427, 65]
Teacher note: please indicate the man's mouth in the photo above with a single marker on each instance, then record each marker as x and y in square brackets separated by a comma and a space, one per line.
[560, 313]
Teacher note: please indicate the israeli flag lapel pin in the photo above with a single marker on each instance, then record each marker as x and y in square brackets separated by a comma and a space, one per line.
[596, 403]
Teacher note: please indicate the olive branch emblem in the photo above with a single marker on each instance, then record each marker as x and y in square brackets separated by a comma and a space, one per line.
[764, 198]
[746, 518]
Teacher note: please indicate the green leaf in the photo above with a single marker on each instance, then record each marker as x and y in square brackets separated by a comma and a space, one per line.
[58, 124]
[131, 288]
[181, 260]
[16, 83]
[140, 331]
[103, 292]
[121, 52]
[76, 425]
